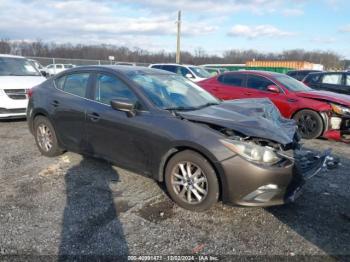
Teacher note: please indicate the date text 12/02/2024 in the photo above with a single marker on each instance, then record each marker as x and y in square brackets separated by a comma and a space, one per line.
[174, 258]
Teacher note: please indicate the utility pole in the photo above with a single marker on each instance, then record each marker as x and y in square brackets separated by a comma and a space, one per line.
[178, 58]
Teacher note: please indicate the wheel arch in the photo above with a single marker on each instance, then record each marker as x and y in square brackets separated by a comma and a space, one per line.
[34, 115]
[177, 149]
[44, 113]
[321, 114]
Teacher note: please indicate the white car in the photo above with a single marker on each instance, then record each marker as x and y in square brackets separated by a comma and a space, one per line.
[54, 69]
[192, 72]
[17, 75]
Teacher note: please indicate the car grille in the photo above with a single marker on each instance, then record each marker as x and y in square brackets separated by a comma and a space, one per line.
[16, 94]
[12, 111]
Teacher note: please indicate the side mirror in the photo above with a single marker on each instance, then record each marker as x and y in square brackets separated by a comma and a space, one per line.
[124, 105]
[43, 72]
[273, 89]
[189, 76]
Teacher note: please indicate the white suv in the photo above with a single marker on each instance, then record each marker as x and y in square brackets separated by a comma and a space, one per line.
[17, 75]
[194, 73]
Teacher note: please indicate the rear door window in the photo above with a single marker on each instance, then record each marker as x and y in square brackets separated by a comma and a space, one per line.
[59, 82]
[75, 84]
[258, 82]
[232, 79]
[332, 79]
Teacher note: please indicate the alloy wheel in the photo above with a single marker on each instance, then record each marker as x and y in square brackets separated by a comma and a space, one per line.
[44, 137]
[189, 182]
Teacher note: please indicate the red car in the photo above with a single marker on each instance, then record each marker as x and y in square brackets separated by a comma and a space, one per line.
[318, 113]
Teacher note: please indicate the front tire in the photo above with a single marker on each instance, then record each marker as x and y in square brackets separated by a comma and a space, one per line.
[45, 137]
[191, 181]
[310, 124]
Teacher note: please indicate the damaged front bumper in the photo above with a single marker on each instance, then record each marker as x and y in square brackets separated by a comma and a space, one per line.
[338, 127]
[308, 165]
[254, 185]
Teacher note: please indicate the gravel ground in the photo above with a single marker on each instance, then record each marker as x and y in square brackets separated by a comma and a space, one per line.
[71, 205]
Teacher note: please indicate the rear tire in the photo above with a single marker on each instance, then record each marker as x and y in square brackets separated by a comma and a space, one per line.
[310, 124]
[45, 137]
[191, 181]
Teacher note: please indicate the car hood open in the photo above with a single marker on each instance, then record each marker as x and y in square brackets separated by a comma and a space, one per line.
[251, 117]
[326, 96]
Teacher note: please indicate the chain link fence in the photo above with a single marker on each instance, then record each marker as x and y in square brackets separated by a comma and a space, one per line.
[44, 61]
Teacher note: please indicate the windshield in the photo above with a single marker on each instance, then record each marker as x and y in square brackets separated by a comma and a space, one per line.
[173, 92]
[200, 72]
[10, 66]
[292, 84]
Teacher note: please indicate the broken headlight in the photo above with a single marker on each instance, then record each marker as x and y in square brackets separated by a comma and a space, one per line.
[252, 152]
[340, 110]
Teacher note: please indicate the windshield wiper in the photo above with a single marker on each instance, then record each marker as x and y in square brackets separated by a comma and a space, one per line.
[180, 108]
[208, 104]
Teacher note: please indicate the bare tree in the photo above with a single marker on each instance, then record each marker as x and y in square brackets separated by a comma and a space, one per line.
[199, 56]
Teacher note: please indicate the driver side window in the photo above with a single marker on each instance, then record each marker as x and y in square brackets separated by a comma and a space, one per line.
[109, 87]
[259, 83]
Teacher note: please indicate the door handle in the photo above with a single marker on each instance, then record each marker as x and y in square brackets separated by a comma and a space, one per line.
[55, 103]
[248, 93]
[94, 117]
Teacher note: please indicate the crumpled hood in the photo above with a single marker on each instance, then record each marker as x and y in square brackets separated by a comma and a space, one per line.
[250, 117]
[20, 82]
[327, 96]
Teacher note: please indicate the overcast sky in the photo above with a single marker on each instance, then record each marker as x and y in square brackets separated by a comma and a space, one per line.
[214, 25]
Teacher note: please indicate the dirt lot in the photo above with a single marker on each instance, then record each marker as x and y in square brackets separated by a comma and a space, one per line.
[71, 205]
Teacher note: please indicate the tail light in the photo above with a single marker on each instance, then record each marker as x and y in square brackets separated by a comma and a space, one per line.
[29, 92]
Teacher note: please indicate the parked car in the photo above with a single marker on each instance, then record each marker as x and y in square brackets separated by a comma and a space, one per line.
[125, 63]
[54, 69]
[301, 74]
[318, 113]
[215, 71]
[164, 126]
[17, 75]
[194, 73]
[338, 82]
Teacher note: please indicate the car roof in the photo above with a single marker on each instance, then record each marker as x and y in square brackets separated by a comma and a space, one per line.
[123, 69]
[329, 72]
[11, 56]
[173, 64]
[306, 70]
[255, 72]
